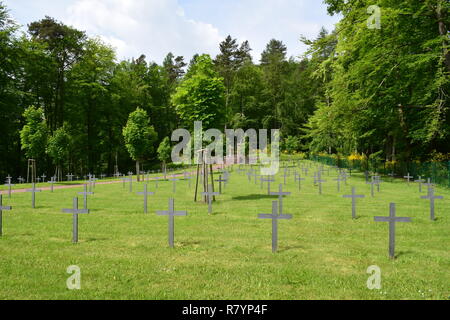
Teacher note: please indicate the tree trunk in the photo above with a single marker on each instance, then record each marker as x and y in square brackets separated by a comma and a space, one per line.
[443, 31]
[138, 171]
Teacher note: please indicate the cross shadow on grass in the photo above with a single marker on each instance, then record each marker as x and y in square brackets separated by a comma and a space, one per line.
[254, 197]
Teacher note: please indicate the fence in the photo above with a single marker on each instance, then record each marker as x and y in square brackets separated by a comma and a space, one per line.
[438, 172]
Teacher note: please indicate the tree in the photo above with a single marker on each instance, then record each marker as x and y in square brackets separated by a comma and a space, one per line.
[34, 133]
[200, 97]
[139, 137]
[65, 45]
[58, 150]
[165, 154]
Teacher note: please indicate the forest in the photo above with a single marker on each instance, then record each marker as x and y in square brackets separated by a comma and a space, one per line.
[380, 93]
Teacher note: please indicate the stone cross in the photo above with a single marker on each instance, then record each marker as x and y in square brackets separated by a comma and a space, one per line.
[339, 179]
[102, 176]
[21, 180]
[157, 182]
[269, 180]
[377, 180]
[392, 219]
[188, 178]
[130, 179]
[174, 180]
[299, 179]
[275, 217]
[249, 175]
[146, 194]
[43, 177]
[210, 196]
[372, 184]
[280, 195]
[408, 177]
[75, 212]
[85, 196]
[171, 213]
[70, 177]
[432, 197]
[124, 180]
[33, 196]
[354, 196]
[52, 182]
[429, 184]
[220, 181]
[9, 185]
[2, 208]
[320, 181]
[420, 181]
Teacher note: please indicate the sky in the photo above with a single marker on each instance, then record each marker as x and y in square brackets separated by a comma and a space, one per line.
[183, 27]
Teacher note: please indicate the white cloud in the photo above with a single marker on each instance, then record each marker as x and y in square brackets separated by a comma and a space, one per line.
[150, 27]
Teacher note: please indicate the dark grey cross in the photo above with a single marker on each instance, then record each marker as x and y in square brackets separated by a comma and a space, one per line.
[320, 181]
[432, 197]
[52, 182]
[339, 180]
[157, 182]
[124, 180]
[299, 179]
[174, 180]
[408, 177]
[33, 195]
[269, 180]
[85, 196]
[220, 181]
[171, 214]
[428, 184]
[377, 180]
[9, 185]
[130, 180]
[280, 195]
[2, 208]
[420, 181]
[344, 176]
[286, 175]
[75, 212]
[210, 195]
[275, 217]
[392, 219]
[146, 194]
[372, 184]
[354, 196]
[250, 175]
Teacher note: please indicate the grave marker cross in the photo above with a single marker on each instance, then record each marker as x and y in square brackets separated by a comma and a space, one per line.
[75, 212]
[420, 181]
[85, 196]
[9, 185]
[354, 196]
[146, 194]
[280, 195]
[408, 177]
[432, 197]
[269, 180]
[320, 181]
[299, 179]
[275, 217]
[392, 219]
[220, 181]
[171, 213]
[2, 208]
[210, 194]
[174, 180]
[33, 195]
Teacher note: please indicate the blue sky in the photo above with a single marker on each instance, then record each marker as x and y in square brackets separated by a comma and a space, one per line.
[184, 27]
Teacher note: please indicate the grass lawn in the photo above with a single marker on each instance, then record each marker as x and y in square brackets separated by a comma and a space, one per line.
[323, 253]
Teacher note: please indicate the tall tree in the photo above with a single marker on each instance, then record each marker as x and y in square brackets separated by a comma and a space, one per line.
[139, 137]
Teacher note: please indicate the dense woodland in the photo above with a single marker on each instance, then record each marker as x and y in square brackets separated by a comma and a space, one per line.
[382, 93]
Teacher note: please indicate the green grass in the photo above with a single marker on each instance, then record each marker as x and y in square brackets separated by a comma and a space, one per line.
[323, 253]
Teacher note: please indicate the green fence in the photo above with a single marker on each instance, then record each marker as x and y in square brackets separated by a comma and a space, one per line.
[438, 172]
